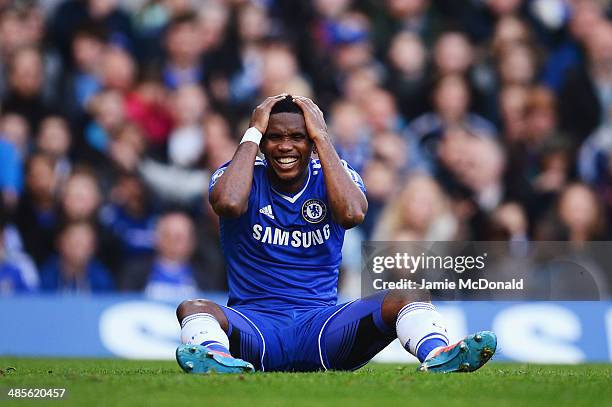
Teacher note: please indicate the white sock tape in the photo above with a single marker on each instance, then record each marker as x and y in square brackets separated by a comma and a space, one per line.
[252, 134]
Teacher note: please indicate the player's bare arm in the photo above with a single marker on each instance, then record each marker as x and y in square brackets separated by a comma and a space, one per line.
[348, 203]
[229, 198]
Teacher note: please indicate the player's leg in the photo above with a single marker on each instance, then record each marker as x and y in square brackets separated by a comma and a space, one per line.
[361, 329]
[203, 323]
[357, 331]
[347, 336]
[204, 337]
[420, 329]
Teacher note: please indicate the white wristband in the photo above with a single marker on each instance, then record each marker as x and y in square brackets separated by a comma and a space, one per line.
[252, 134]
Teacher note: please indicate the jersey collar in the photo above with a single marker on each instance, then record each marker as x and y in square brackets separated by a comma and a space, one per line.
[297, 196]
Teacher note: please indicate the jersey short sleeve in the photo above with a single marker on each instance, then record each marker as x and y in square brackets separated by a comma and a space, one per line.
[216, 175]
[354, 176]
[259, 163]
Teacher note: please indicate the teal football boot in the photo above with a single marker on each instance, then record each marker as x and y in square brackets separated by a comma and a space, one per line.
[200, 359]
[465, 356]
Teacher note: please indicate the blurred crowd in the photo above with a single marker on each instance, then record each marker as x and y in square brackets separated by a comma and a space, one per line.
[468, 120]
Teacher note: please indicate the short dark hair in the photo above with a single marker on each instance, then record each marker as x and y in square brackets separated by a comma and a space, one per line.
[286, 105]
[188, 17]
[91, 30]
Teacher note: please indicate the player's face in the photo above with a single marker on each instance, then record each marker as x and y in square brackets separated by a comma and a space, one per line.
[287, 147]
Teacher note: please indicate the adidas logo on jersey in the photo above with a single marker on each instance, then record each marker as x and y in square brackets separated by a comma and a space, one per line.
[267, 210]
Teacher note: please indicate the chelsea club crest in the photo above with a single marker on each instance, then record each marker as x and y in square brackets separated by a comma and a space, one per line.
[314, 210]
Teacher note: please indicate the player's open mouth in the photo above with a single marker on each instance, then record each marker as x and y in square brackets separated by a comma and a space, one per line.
[286, 162]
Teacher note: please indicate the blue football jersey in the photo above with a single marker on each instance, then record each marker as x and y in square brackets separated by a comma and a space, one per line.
[284, 251]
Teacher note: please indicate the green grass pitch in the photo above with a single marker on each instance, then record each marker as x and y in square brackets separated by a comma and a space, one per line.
[91, 382]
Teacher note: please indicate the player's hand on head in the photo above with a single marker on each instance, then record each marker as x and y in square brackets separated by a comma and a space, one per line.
[261, 114]
[313, 116]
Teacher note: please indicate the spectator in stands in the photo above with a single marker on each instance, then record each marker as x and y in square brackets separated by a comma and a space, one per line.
[381, 112]
[54, 139]
[220, 145]
[585, 15]
[17, 272]
[452, 54]
[509, 31]
[517, 65]
[327, 22]
[147, 107]
[475, 163]
[22, 25]
[587, 92]
[281, 73]
[12, 38]
[508, 222]
[246, 74]
[34, 27]
[595, 154]
[421, 211]
[36, 215]
[360, 83]
[82, 79]
[511, 40]
[186, 143]
[172, 272]
[183, 65]
[580, 211]
[15, 129]
[70, 15]
[118, 70]
[407, 78]
[108, 117]
[25, 80]
[594, 166]
[130, 216]
[126, 149]
[481, 19]
[451, 99]
[75, 268]
[214, 19]
[149, 23]
[415, 16]
[80, 201]
[512, 107]
[189, 104]
[382, 181]
[352, 51]
[539, 157]
[578, 217]
[545, 143]
[351, 42]
[351, 134]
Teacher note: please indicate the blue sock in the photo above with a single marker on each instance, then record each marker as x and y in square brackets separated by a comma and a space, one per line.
[216, 346]
[427, 346]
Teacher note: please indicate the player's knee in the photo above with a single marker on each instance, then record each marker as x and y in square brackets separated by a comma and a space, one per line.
[395, 300]
[189, 307]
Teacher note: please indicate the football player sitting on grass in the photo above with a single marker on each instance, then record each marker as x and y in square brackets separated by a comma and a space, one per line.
[283, 220]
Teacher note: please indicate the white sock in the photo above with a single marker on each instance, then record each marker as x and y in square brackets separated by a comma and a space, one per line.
[203, 329]
[420, 329]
